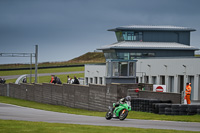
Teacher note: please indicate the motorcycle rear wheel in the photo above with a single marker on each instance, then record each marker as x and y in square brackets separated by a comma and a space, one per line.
[123, 114]
[108, 116]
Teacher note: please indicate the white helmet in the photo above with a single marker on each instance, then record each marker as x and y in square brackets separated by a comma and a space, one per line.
[128, 98]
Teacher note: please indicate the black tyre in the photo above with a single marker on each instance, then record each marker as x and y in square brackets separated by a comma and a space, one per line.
[123, 114]
[108, 116]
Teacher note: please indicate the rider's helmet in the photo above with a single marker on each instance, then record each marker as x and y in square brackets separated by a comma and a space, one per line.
[128, 98]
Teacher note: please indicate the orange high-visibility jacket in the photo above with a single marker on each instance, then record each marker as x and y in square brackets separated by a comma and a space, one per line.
[52, 78]
[188, 90]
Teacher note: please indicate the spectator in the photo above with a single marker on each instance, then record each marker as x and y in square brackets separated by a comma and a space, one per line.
[52, 78]
[57, 80]
[2, 81]
[76, 80]
[68, 80]
[24, 80]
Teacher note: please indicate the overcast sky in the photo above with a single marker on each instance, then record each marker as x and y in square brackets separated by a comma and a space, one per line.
[65, 29]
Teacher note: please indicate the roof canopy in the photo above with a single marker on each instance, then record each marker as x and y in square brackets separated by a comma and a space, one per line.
[152, 28]
[148, 45]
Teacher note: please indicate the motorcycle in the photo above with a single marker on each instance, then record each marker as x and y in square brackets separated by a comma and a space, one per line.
[120, 112]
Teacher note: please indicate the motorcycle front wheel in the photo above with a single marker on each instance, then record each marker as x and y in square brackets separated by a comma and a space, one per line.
[108, 116]
[123, 114]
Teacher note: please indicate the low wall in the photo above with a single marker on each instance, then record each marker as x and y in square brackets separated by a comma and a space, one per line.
[91, 97]
[174, 97]
[3, 89]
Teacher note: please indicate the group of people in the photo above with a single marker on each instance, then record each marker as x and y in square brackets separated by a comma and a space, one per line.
[2, 81]
[56, 80]
[72, 81]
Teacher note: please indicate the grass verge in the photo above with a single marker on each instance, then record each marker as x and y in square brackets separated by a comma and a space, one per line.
[63, 109]
[50, 70]
[13, 126]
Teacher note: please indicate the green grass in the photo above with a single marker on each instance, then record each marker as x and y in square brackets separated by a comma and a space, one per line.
[13, 126]
[63, 109]
[50, 70]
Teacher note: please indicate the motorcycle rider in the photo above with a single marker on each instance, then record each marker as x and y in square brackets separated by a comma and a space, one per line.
[121, 101]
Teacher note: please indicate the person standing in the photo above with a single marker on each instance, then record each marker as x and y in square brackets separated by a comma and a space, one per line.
[68, 80]
[188, 92]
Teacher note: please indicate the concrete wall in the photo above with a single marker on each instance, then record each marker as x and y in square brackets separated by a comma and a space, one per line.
[92, 97]
[3, 89]
[174, 97]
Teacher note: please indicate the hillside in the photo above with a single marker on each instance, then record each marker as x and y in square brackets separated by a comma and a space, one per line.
[88, 58]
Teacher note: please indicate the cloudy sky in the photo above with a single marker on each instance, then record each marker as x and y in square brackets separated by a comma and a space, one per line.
[64, 29]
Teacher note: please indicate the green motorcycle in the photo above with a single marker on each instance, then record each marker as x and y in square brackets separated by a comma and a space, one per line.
[120, 112]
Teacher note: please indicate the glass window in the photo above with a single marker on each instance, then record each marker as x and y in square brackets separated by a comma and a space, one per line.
[151, 54]
[132, 68]
[123, 56]
[132, 56]
[138, 54]
[115, 68]
[154, 80]
[86, 81]
[91, 80]
[119, 36]
[100, 80]
[95, 80]
[110, 54]
[140, 36]
[123, 68]
[125, 35]
[131, 36]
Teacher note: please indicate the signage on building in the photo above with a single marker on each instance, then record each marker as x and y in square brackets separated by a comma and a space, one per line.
[159, 88]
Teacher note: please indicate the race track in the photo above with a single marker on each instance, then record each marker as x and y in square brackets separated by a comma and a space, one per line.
[13, 112]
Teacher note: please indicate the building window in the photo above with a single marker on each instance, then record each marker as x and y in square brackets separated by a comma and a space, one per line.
[162, 80]
[91, 80]
[100, 80]
[123, 56]
[86, 81]
[132, 56]
[118, 68]
[115, 68]
[123, 68]
[129, 36]
[119, 36]
[95, 80]
[171, 84]
[146, 79]
[154, 80]
[132, 69]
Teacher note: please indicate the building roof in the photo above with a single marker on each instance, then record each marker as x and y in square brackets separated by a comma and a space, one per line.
[152, 28]
[148, 45]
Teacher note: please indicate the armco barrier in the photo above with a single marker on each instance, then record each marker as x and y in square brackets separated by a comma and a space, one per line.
[91, 97]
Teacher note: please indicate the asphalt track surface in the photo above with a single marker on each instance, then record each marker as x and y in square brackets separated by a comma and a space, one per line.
[41, 74]
[13, 112]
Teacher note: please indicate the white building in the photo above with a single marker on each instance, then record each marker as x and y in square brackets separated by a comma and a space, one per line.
[167, 59]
